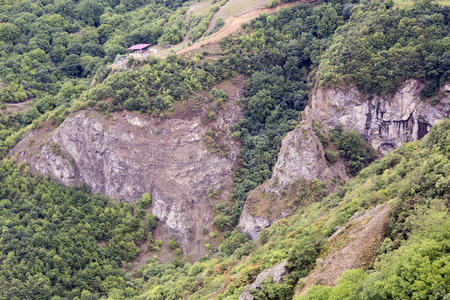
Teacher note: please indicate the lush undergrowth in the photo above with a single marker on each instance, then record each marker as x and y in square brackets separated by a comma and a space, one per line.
[154, 87]
[348, 145]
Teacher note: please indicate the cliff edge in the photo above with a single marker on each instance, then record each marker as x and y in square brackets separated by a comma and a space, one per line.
[178, 160]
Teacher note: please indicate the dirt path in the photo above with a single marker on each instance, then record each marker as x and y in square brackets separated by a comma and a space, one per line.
[234, 23]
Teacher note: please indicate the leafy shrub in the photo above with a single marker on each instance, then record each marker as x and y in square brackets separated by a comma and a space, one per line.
[145, 201]
[273, 291]
[172, 243]
[330, 156]
[219, 94]
[233, 242]
[353, 148]
[151, 222]
[219, 24]
[223, 221]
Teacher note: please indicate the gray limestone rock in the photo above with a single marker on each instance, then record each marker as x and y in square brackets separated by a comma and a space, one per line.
[276, 273]
[126, 155]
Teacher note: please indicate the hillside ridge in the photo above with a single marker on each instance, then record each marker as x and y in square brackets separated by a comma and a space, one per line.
[385, 123]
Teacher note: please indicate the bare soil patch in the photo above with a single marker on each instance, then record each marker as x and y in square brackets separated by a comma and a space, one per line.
[15, 107]
[234, 23]
[200, 8]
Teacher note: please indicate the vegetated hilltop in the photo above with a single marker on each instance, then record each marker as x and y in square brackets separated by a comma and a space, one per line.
[343, 61]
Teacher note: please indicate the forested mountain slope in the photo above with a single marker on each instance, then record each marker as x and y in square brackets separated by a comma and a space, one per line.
[409, 253]
[266, 128]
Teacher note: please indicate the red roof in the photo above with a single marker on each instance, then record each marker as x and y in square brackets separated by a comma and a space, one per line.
[139, 47]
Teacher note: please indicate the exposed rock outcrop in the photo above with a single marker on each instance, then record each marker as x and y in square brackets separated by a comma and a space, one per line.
[385, 123]
[252, 224]
[358, 242]
[275, 273]
[127, 154]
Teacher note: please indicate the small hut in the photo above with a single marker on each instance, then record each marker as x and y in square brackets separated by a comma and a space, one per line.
[139, 48]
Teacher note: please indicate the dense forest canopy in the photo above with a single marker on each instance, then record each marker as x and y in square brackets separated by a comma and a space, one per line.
[44, 42]
[382, 46]
[65, 242]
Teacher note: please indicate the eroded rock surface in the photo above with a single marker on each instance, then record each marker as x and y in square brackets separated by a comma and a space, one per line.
[385, 123]
[126, 155]
[252, 224]
[276, 273]
[359, 241]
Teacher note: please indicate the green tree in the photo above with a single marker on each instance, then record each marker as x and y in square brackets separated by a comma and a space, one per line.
[9, 33]
[89, 12]
[72, 65]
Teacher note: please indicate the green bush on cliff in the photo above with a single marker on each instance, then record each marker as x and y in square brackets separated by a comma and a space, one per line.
[353, 148]
[145, 201]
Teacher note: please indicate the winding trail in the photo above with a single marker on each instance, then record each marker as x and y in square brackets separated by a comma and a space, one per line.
[234, 23]
[231, 25]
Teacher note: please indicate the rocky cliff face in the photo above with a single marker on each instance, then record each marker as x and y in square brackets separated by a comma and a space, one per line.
[177, 160]
[386, 123]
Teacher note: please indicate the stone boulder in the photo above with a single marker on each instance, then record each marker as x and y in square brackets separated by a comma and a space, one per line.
[275, 273]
